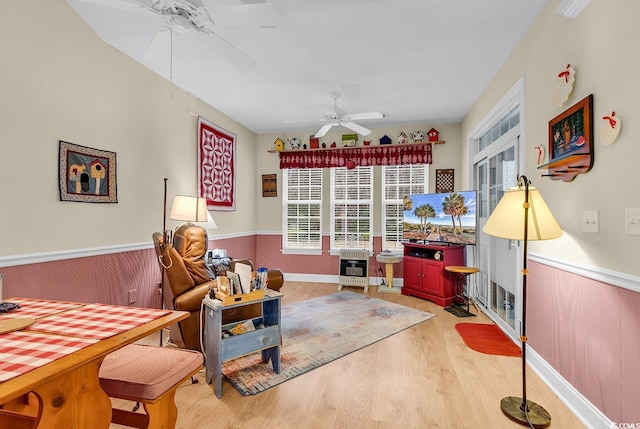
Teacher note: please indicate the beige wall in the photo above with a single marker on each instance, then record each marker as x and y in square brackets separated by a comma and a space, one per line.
[445, 155]
[600, 44]
[58, 81]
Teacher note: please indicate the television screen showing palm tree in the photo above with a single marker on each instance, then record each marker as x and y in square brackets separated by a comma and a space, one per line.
[447, 217]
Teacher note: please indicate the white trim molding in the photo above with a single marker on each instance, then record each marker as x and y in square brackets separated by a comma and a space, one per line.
[614, 278]
[35, 258]
[59, 255]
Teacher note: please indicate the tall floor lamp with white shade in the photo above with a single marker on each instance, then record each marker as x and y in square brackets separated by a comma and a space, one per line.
[522, 214]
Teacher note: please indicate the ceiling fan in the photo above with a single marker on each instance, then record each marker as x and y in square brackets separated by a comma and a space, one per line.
[340, 116]
[201, 17]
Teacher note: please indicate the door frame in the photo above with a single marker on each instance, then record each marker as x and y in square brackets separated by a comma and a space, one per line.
[514, 97]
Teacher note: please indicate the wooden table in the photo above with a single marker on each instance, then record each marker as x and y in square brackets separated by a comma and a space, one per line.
[68, 388]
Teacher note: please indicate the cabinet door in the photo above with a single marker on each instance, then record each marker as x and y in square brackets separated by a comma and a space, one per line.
[412, 273]
[432, 282]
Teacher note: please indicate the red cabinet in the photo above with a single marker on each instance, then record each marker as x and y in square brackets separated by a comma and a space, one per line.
[424, 273]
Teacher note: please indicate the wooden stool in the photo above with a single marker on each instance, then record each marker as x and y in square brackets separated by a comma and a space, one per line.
[461, 272]
[150, 375]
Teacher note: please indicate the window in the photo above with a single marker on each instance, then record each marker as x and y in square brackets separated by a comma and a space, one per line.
[500, 128]
[351, 208]
[302, 208]
[398, 181]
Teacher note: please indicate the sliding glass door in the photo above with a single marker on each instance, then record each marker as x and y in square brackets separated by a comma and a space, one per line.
[497, 258]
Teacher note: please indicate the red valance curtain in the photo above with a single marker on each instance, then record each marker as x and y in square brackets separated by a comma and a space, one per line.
[357, 156]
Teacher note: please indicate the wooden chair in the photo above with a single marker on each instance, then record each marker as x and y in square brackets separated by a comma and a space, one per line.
[149, 375]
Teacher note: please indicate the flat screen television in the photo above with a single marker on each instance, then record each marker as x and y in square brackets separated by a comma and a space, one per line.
[447, 217]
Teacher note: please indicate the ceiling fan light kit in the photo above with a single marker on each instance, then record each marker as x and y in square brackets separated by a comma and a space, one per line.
[198, 17]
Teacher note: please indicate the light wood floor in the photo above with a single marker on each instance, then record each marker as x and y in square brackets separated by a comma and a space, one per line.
[424, 377]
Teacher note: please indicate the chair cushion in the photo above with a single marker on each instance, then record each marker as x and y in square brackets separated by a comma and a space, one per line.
[191, 242]
[146, 372]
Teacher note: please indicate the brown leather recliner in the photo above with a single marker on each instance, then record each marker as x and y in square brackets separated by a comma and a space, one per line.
[188, 280]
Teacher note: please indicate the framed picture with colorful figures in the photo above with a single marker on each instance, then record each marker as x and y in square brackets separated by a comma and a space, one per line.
[571, 131]
[571, 142]
[86, 174]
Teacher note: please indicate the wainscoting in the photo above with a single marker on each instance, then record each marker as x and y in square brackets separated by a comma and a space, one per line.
[585, 333]
[104, 278]
[583, 322]
[105, 275]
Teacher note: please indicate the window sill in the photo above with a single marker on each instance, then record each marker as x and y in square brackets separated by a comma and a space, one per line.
[301, 251]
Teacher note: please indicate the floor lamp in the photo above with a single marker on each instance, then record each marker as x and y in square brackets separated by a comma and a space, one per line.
[522, 214]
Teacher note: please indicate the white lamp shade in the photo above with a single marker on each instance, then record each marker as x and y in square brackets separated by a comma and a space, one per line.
[507, 219]
[189, 209]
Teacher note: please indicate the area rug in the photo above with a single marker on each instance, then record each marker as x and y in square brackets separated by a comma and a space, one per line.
[487, 338]
[318, 331]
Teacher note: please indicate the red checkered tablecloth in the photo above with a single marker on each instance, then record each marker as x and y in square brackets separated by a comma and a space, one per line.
[30, 307]
[24, 351]
[97, 320]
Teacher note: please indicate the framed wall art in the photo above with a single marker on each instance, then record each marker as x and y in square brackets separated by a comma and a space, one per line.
[444, 180]
[571, 142]
[216, 166]
[570, 132]
[86, 174]
[269, 185]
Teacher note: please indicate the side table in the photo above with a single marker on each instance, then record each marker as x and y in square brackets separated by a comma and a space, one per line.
[388, 259]
[219, 349]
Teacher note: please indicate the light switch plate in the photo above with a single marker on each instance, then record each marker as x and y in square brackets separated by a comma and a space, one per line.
[590, 221]
[632, 221]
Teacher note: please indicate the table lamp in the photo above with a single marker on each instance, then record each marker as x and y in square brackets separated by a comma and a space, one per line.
[522, 214]
[189, 209]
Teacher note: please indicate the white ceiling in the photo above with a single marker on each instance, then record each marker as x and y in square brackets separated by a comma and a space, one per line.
[416, 61]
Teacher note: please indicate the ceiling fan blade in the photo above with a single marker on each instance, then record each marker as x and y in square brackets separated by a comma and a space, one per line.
[136, 26]
[367, 115]
[324, 130]
[228, 51]
[129, 6]
[357, 128]
[243, 15]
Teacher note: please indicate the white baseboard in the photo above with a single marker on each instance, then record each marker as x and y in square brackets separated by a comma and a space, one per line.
[591, 416]
[330, 278]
